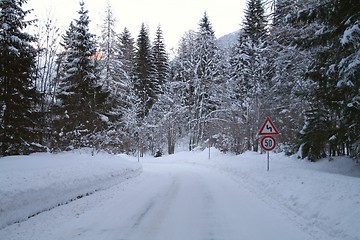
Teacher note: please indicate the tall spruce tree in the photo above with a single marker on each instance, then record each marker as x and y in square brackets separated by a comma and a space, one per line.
[114, 81]
[80, 97]
[160, 58]
[255, 20]
[335, 71]
[145, 83]
[126, 54]
[250, 71]
[210, 82]
[18, 96]
[200, 60]
[183, 76]
[108, 48]
[130, 101]
[288, 86]
[153, 136]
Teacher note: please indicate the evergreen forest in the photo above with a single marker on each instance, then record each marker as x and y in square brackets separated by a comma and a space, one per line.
[298, 64]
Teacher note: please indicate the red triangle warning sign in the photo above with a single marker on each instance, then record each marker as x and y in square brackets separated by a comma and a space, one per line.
[268, 128]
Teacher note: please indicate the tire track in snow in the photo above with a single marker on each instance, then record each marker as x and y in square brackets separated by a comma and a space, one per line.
[146, 223]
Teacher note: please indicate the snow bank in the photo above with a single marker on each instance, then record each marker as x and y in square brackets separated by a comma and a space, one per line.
[324, 195]
[36, 183]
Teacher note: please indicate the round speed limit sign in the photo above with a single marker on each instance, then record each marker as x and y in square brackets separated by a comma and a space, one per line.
[268, 143]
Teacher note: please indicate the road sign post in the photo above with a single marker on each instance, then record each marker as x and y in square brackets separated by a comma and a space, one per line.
[268, 142]
[136, 134]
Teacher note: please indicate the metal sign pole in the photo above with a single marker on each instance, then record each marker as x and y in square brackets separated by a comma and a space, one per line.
[136, 134]
[268, 142]
[209, 149]
[138, 152]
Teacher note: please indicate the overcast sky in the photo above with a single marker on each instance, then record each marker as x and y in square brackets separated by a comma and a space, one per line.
[174, 16]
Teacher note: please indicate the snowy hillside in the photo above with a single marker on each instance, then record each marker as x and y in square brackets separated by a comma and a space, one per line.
[228, 40]
[32, 184]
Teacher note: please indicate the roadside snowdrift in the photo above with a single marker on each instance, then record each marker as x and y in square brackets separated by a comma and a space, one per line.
[36, 183]
[322, 196]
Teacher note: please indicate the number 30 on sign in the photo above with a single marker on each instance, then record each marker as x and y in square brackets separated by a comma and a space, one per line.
[268, 143]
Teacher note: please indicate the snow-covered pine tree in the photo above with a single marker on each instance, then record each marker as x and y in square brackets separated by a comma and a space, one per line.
[80, 99]
[130, 101]
[238, 95]
[203, 84]
[199, 85]
[160, 58]
[336, 72]
[166, 120]
[156, 124]
[182, 80]
[18, 95]
[171, 113]
[126, 54]
[288, 86]
[115, 80]
[144, 80]
[108, 51]
[183, 68]
[211, 73]
[250, 70]
[255, 21]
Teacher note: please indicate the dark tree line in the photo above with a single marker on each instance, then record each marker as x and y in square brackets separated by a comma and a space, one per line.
[19, 98]
[300, 65]
[333, 120]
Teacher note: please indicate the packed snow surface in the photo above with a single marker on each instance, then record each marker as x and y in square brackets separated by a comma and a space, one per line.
[32, 184]
[182, 196]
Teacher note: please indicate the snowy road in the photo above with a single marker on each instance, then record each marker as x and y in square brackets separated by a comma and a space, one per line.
[168, 201]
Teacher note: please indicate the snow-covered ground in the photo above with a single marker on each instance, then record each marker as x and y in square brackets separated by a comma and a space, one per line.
[39, 182]
[182, 196]
[322, 196]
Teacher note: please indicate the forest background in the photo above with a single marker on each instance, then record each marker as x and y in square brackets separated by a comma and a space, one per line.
[299, 64]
